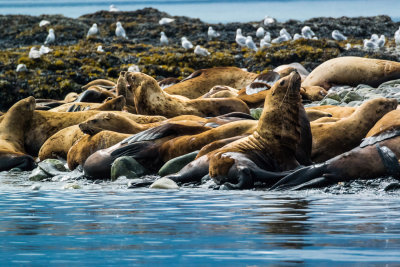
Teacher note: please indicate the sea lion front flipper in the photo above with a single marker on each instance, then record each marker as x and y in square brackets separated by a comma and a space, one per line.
[245, 181]
[390, 161]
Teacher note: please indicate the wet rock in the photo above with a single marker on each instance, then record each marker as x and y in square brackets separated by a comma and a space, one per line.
[352, 96]
[164, 183]
[256, 113]
[38, 175]
[334, 96]
[176, 164]
[52, 167]
[328, 101]
[128, 167]
[392, 187]
[354, 103]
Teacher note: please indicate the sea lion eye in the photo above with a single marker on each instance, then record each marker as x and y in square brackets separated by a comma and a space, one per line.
[282, 82]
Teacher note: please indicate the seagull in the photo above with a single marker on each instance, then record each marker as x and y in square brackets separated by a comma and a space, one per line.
[250, 44]
[240, 39]
[21, 67]
[165, 21]
[297, 36]
[268, 20]
[348, 46]
[34, 53]
[397, 37]
[381, 41]
[113, 8]
[93, 30]
[100, 49]
[119, 31]
[284, 32]
[264, 43]
[163, 39]
[133, 68]
[370, 45]
[212, 33]
[280, 39]
[44, 50]
[307, 32]
[186, 43]
[267, 37]
[338, 36]
[374, 38]
[260, 32]
[201, 51]
[50, 37]
[44, 23]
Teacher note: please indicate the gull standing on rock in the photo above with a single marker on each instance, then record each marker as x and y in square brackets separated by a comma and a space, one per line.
[93, 30]
[44, 23]
[338, 36]
[240, 39]
[250, 44]
[264, 43]
[100, 49]
[381, 41]
[163, 39]
[21, 68]
[307, 32]
[119, 31]
[50, 37]
[44, 50]
[34, 53]
[397, 37]
[370, 45]
[260, 32]
[297, 36]
[113, 8]
[284, 32]
[186, 43]
[165, 21]
[133, 68]
[201, 51]
[212, 33]
[268, 20]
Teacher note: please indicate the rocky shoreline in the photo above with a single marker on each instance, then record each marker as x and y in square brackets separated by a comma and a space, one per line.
[74, 61]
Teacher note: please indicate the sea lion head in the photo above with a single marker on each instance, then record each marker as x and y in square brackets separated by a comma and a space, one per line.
[100, 122]
[116, 103]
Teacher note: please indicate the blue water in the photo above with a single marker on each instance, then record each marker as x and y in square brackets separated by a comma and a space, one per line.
[214, 11]
[107, 224]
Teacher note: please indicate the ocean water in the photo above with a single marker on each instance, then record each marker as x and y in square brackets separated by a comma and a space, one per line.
[107, 224]
[214, 11]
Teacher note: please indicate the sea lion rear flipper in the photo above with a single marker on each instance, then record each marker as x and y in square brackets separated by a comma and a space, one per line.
[390, 161]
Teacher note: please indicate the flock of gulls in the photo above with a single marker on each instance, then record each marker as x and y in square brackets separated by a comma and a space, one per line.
[265, 39]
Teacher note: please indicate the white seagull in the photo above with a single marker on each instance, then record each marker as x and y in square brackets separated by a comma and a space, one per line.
[165, 21]
[44, 50]
[163, 39]
[250, 44]
[307, 32]
[44, 23]
[100, 49]
[397, 37]
[119, 31]
[93, 30]
[240, 39]
[50, 37]
[338, 36]
[201, 51]
[34, 53]
[21, 67]
[113, 8]
[370, 45]
[186, 43]
[264, 43]
[283, 31]
[381, 41]
[133, 68]
[212, 33]
[267, 37]
[260, 32]
[297, 36]
[268, 20]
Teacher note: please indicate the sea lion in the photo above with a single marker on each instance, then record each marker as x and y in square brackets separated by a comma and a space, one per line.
[201, 81]
[101, 83]
[352, 71]
[263, 156]
[71, 97]
[334, 138]
[149, 99]
[98, 165]
[335, 111]
[95, 94]
[287, 68]
[217, 90]
[12, 128]
[167, 82]
[389, 122]
[313, 114]
[117, 103]
[45, 123]
[377, 156]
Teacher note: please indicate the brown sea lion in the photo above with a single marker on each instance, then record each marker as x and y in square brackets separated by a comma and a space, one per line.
[352, 71]
[389, 122]
[45, 123]
[201, 81]
[12, 128]
[263, 156]
[378, 156]
[149, 99]
[335, 111]
[101, 83]
[221, 89]
[313, 93]
[218, 144]
[334, 138]
[313, 114]
[117, 103]
[167, 82]
[284, 70]
[71, 97]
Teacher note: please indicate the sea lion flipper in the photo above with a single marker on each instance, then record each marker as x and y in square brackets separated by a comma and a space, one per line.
[313, 183]
[129, 149]
[390, 161]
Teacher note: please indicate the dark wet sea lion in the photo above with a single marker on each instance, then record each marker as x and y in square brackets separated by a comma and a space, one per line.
[266, 154]
[12, 129]
[117, 103]
[201, 81]
[149, 99]
[334, 138]
[377, 156]
[352, 71]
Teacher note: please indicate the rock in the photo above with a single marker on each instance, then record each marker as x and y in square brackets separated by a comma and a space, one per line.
[392, 187]
[176, 164]
[334, 96]
[256, 112]
[128, 167]
[52, 167]
[15, 170]
[352, 96]
[71, 186]
[36, 186]
[354, 104]
[328, 101]
[164, 183]
[38, 175]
